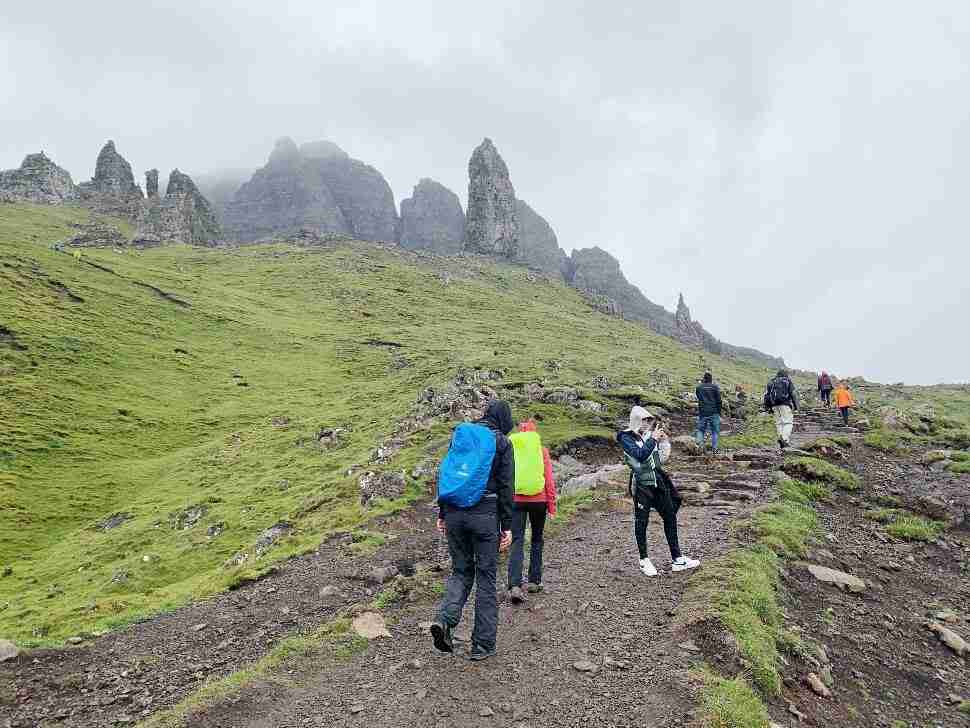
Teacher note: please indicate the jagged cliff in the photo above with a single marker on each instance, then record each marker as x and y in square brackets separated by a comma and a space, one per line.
[39, 180]
[112, 190]
[182, 216]
[316, 187]
[432, 219]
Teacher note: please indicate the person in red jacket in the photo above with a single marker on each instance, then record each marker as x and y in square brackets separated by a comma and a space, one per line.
[533, 508]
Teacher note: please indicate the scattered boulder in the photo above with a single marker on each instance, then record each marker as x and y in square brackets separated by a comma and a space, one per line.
[371, 626]
[585, 666]
[685, 444]
[817, 686]
[840, 579]
[8, 650]
[950, 638]
[432, 219]
[270, 536]
[37, 180]
[935, 456]
[491, 224]
[383, 574]
[187, 518]
[591, 481]
[112, 521]
[387, 485]
[588, 405]
[97, 234]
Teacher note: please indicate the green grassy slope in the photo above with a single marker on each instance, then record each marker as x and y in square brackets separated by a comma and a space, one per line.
[114, 399]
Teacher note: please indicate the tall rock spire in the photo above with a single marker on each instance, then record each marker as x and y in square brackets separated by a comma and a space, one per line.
[491, 224]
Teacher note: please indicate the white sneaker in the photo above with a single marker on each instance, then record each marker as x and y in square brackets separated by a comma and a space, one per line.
[682, 563]
[647, 567]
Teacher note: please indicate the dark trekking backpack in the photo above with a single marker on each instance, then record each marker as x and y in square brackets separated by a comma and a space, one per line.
[779, 392]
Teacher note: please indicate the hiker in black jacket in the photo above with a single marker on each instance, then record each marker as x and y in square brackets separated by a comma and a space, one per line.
[709, 408]
[781, 399]
[474, 543]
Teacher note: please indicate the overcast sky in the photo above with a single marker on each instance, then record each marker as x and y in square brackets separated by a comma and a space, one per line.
[799, 170]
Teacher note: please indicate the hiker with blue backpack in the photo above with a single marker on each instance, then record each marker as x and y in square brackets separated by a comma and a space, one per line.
[645, 448]
[475, 484]
[535, 497]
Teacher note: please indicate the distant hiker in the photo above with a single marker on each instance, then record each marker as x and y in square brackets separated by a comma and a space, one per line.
[844, 400]
[535, 496]
[709, 407]
[740, 395]
[475, 484]
[77, 256]
[645, 447]
[781, 399]
[825, 388]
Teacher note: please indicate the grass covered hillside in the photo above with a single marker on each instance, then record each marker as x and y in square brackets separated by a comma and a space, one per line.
[161, 409]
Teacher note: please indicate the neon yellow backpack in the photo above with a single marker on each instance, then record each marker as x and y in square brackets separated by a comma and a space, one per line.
[530, 470]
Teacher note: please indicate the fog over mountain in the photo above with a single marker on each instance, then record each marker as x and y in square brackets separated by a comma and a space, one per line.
[797, 170]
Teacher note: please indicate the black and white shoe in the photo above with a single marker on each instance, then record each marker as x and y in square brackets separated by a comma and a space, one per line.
[441, 634]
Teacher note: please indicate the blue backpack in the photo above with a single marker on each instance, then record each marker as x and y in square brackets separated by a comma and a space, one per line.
[464, 472]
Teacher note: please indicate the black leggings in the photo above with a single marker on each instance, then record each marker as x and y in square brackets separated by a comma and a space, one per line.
[826, 395]
[666, 504]
[845, 415]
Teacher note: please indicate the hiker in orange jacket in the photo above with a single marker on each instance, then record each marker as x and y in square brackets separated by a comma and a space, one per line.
[844, 400]
[534, 509]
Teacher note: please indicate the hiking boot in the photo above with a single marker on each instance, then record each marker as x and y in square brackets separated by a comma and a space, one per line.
[480, 653]
[516, 595]
[647, 567]
[683, 563]
[441, 634]
[781, 444]
[715, 452]
[533, 588]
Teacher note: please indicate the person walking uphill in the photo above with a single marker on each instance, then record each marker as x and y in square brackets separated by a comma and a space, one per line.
[709, 407]
[535, 496]
[475, 484]
[645, 447]
[844, 400]
[781, 399]
[825, 388]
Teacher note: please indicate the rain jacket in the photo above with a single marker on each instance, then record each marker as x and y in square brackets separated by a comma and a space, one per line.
[843, 397]
[501, 481]
[548, 496]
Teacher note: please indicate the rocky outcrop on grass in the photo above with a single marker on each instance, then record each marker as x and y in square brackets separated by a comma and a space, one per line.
[182, 216]
[112, 190]
[37, 179]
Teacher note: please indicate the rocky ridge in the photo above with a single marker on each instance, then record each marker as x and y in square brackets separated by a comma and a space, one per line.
[112, 190]
[182, 216]
[37, 179]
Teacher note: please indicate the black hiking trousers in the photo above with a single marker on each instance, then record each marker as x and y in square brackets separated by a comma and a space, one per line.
[844, 411]
[473, 544]
[826, 395]
[535, 514]
[667, 505]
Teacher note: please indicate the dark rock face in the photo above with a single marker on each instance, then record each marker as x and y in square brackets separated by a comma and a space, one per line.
[37, 180]
[432, 219]
[183, 216]
[596, 272]
[317, 188]
[112, 190]
[538, 245]
[151, 183]
[688, 330]
[491, 225]
[362, 194]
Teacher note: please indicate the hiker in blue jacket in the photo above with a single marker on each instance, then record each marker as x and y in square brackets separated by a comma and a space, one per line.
[474, 543]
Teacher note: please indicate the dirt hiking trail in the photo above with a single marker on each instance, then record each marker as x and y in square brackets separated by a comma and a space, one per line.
[598, 648]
